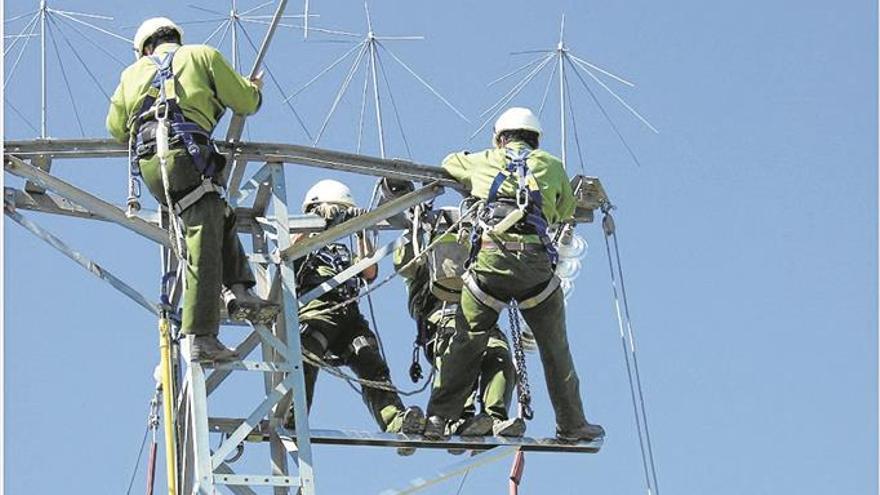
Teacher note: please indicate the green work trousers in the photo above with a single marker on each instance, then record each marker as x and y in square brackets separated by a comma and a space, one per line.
[509, 275]
[214, 255]
[345, 335]
[496, 377]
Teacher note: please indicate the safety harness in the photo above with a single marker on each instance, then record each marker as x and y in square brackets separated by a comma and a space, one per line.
[160, 116]
[524, 213]
[337, 257]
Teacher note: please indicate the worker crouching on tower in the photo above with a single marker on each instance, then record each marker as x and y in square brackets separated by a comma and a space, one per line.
[520, 190]
[434, 288]
[339, 332]
[166, 107]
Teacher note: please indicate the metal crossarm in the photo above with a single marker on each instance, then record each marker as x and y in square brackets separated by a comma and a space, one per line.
[81, 260]
[374, 439]
[99, 207]
[252, 151]
[49, 203]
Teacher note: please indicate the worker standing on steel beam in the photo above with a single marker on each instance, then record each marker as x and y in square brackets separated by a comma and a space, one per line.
[520, 190]
[166, 107]
[341, 334]
[434, 288]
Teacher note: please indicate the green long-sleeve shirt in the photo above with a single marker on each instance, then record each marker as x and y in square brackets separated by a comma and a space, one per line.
[476, 171]
[205, 84]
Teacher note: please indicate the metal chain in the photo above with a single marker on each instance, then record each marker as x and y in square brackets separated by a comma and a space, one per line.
[523, 390]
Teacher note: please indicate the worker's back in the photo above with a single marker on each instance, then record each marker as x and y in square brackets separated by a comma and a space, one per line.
[477, 171]
[205, 85]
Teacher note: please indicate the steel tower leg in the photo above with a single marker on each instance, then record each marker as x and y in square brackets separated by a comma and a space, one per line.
[291, 320]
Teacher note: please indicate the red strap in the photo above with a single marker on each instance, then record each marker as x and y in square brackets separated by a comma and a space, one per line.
[516, 471]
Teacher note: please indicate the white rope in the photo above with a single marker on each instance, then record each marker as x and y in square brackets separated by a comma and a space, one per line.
[176, 232]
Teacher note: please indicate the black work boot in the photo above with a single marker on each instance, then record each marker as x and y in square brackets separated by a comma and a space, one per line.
[242, 304]
[586, 433]
[435, 428]
[513, 427]
[475, 426]
[207, 348]
[410, 421]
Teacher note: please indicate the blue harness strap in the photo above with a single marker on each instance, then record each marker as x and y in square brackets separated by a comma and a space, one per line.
[180, 127]
[527, 198]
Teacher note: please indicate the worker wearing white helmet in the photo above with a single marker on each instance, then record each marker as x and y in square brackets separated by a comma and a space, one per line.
[342, 332]
[166, 107]
[521, 190]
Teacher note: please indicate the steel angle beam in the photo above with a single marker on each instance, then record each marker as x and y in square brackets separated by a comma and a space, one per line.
[261, 366]
[243, 349]
[247, 425]
[250, 151]
[17, 167]
[370, 439]
[83, 261]
[352, 271]
[43, 163]
[45, 203]
[49, 203]
[224, 469]
[362, 222]
[255, 480]
[341, 161]
[67, 148]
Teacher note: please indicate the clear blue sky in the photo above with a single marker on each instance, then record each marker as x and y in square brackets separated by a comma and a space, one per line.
[749, 240]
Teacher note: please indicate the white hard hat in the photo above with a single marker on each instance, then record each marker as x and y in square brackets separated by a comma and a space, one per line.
[149, 27]
[328, 191]
[517, 118]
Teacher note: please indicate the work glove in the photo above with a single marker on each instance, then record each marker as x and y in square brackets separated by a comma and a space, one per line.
[328, 211]
[258, 81]
[353, 211]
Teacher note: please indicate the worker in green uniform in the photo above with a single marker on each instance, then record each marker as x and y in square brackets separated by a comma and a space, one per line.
[341, 335]
[520, 190]
[166, 107]
[435, 323]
